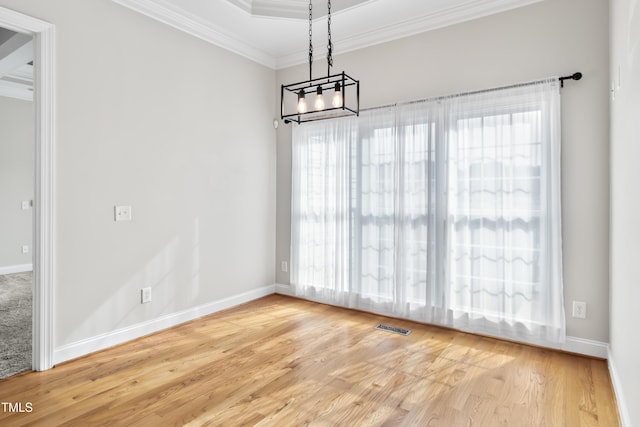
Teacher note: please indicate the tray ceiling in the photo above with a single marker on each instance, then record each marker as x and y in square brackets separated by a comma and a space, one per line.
[294, 9]
[275, 32]
[16, 65]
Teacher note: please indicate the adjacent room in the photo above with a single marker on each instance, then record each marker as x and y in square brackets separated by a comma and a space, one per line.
[16, 195]
[336, 212]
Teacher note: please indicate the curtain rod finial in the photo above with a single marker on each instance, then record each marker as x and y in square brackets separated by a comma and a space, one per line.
[574, 76]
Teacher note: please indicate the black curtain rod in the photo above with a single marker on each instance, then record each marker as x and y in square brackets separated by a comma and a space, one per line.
[574, 76]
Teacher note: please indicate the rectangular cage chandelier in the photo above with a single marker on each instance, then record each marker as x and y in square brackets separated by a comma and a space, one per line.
[305, 101]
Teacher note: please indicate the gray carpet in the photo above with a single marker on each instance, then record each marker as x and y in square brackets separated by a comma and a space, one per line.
[15, 323]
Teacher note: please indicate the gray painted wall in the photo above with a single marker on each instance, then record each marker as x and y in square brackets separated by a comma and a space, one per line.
[16, 180]
[180, 130]
[625, 202]
[554, 37]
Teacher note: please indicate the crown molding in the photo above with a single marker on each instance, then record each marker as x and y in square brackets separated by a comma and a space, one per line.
[16, 90]
[173, 16]
[16, 76]
[282, 8]
[293, 9]
[191, 24]
[442, 18]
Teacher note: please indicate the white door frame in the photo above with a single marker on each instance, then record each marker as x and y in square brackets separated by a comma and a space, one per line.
[43, 225]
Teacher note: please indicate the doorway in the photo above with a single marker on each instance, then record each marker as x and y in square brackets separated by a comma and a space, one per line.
[17, 138]
[42, 34]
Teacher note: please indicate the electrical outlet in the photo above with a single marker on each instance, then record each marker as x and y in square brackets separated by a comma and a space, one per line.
[284, 267]
[25, 249]
[122, 213]
[580, 309]
[145, 294]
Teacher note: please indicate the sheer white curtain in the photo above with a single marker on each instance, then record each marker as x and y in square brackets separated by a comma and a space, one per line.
[444, 211]
[321, 209]
[394, 220]
[504, 250]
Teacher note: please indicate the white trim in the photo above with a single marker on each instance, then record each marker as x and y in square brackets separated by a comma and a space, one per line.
[16, 90]
[175, 17]
[572, 344]
[284, 290]
[291, 8]
[182, 20]
[15, 54]
[421, 24]
[119, 336]
[43, 219]
[623, 410]
[11, 269]
[584, 346]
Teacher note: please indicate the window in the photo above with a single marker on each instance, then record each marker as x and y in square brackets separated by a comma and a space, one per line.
[444, 211]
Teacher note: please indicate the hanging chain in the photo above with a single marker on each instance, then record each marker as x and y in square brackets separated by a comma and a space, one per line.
[310, 38]
[329, 44]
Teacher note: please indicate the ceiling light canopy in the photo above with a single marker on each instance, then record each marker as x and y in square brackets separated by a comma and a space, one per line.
[342, 90]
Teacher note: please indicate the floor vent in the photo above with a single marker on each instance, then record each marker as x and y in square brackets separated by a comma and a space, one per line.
[393, 329]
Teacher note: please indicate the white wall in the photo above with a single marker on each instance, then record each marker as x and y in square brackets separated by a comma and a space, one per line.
[625, 205]
[16, 181]
[180, 130]
[553, 37]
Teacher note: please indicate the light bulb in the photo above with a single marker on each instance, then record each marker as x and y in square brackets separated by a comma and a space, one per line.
[337, 100]
[319, 104]
[302, 104]
[337, 97]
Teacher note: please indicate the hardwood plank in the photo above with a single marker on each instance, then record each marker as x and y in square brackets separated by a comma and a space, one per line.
[283, 361]
[606, 405]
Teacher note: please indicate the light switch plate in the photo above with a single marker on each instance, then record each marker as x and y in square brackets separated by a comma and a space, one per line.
[145, 295]
[122, 213]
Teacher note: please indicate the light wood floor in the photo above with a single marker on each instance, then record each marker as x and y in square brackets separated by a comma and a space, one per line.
[280, 361]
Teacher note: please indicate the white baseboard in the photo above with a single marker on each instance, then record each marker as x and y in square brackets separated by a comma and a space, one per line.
[584, 346]
[623, 411]
[119, 336]
[122, 335]
[11, 269]
[284, 290]
[572, 344]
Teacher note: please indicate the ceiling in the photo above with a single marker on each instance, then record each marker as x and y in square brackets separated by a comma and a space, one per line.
[16, 65]
[275, 32]
[295, 9]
